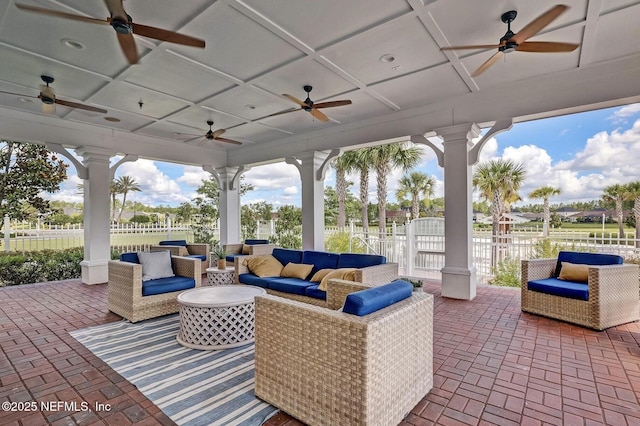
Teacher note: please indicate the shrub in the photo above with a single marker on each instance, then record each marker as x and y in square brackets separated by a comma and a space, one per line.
[339, 243]
[507, 273]
[34, 267]
[545, 249]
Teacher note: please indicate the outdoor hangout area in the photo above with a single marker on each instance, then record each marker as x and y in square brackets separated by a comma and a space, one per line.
[286, 213]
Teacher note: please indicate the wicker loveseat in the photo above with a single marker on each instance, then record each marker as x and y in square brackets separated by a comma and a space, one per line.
[327, 367]
[606, 298]
[249, 247]
[126, 288]
[370, 269]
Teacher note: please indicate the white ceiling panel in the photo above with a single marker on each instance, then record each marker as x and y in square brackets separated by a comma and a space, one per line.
[415, 51]
[173, 131]
[197, 117]
[256, 132]
[291, 78]
[125, 97]
[248, 102]
[422, 87]
[318, 24]
[622, 27]
[363, 105]
[188, 80]
[237, 45]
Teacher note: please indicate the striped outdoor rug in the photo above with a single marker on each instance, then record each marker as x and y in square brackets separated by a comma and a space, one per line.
[192, 387]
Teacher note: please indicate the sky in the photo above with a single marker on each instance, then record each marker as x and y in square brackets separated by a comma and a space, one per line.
[580, 153]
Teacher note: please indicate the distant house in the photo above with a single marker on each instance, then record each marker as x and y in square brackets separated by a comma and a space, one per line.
[567, 213]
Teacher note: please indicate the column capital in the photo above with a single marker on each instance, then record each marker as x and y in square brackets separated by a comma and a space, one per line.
[94, 154]
[465, 131]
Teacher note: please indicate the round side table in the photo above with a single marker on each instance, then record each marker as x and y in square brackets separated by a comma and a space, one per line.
[217, 276]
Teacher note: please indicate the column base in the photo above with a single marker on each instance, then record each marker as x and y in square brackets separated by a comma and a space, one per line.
[459, 283]
[95, 272]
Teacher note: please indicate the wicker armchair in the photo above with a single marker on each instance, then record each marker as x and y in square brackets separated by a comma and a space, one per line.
[613, 295]
[125, 289]
[326, 367]
[235, 250]
[188, 249]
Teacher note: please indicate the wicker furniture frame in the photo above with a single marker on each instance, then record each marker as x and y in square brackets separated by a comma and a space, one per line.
[326, 367]
[254, 249]
[200, 249]
[125, 289]
[613, 295]
[372, 275]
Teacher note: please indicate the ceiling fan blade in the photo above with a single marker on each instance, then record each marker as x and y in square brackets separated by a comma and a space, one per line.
[59, 14]
[332, 104]
[284, 112]
[166, 35]
[128, 46]
[80, 106]
[218, 133]
[231, 141]
[319, 115]
[533, 27]
[546, 46]
[482, 68]
[296, 100]
[471, 46]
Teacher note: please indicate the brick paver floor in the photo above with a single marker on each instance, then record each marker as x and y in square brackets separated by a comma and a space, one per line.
[492, 364]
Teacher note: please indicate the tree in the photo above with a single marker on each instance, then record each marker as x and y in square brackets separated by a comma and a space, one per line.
[617, 194]
[343, 165]
[125, 185]
[415, 184]
[498, 180]
[385, 158]
[27, 170]
[545, 192]
[114, 190]
[288, 227]
[633, 190]
[361, 160]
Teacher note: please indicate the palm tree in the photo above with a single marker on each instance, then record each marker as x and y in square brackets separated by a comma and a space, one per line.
[633, 189]
[343, 165]
[125, 185]
[545, 192]
[385, 158]
[415, 184]
[362, 163]
[114, 190]
[498, 180]
[618, 194]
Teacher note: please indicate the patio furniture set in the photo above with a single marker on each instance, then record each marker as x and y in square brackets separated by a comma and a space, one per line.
[339, 339]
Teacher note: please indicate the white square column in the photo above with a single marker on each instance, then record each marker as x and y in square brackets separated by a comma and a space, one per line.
[97, 249]
[458, 274]
[229, 204]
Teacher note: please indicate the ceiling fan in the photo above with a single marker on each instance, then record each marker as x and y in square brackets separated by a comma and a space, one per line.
[124, 26]
[215, 135]
[48, 97]
[511, 41]
[311, 107]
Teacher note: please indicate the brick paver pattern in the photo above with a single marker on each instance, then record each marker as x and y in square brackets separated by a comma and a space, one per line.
[493, 364]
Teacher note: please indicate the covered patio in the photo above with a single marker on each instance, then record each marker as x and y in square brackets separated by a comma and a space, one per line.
[493, 364]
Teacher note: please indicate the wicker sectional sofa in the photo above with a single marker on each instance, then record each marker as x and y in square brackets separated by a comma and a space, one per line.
[370, 269]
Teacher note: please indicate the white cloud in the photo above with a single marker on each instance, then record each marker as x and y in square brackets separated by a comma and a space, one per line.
[626, 111]
[156, 187]
[68, 189]
[193, 176]
[290, 190]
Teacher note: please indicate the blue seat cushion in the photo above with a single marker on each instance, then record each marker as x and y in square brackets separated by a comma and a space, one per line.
[167, 285]
[198, 256]
[560, 288]
[232, 257]
[173, 243]
[285, 256]
[312, 291]
[131, 257]
[320, 260]
[251, 279]
[353, 260]
[288, 285]
[586, 259]
[364, 302]
[253, 242]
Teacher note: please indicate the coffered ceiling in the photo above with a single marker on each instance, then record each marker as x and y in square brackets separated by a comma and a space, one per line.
[257, 50]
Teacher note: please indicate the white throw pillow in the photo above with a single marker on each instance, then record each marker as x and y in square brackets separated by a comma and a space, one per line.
[155, 264]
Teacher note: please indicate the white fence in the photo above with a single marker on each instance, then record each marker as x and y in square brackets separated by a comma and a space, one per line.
[422, 257]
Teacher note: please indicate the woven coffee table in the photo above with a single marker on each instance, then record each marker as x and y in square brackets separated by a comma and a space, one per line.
[217, 276]
[217, 317]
